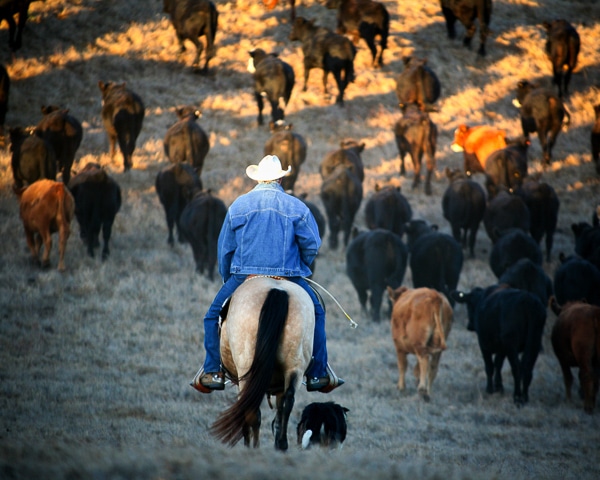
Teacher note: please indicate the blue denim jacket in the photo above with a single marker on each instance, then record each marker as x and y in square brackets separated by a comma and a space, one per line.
[268, 232]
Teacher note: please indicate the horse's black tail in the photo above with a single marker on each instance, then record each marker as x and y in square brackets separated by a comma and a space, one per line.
[229, 427]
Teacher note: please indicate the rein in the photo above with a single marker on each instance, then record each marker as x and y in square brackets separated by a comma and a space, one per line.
[353, 324]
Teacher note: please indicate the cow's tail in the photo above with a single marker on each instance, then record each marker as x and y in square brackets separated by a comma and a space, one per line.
[349, 65]
[437, 316]
[66, 205]
[400, 270]
[385, 27]
[212, 31]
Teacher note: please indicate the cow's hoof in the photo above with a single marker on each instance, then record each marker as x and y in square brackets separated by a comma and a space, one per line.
[424, 395]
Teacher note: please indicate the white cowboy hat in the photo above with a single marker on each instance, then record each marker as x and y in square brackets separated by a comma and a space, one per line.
[267, 170]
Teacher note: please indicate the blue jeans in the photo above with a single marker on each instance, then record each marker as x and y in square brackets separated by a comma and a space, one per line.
[212, 362]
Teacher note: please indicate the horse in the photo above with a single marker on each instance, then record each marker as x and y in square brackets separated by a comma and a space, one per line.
[266, 346]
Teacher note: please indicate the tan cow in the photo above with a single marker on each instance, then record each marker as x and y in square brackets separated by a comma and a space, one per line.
[477, 143]
[46, 207]
[421, 322]
[576, 343]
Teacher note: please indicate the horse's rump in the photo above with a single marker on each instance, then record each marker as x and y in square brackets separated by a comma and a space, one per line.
[266, 346]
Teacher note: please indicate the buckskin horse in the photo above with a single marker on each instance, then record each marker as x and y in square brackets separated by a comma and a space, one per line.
[266, 346]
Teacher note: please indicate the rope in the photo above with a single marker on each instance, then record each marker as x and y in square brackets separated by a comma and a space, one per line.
[353, 324]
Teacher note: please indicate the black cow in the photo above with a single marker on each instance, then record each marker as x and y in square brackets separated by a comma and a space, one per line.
[363, 19]
[562, 48]
[349, 155]
[123, 117]
[466, 11]
[436, 259]
[542, 112]
[273, 80]
[418, 84]
[529, 276]
[576, 279]
[289, 147]
[176, 185]
[587, 240]
[200, 224]
[510, 247]
[595, 139]
[416, 135]
[326, 50]
[64, 133]
[186, 141]
[543, 205]
[97, 201]
[508, 322]
[319, 218]
[503, 212]
[341, 193]
[375, 259]
[4, 94]
[8, 9]
[32, 157]
[193, 19]
[463, 205]
[387, 208]
[506, 168]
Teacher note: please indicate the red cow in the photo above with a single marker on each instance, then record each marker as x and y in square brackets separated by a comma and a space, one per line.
[46, 207]
[477, 143]
[421, 322]
[576, 343]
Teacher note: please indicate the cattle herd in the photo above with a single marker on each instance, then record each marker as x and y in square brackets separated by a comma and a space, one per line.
[496, 187]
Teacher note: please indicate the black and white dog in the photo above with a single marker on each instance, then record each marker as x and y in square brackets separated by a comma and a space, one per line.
[322, 424]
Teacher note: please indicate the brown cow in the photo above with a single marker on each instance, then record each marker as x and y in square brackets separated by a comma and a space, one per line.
[576, 343]
[477, 143]
[421, 322]
[46, 207]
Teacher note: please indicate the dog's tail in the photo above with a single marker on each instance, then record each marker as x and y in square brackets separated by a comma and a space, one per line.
[306, 439]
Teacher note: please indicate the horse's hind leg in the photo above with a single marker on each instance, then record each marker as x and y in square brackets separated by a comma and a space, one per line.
[251, 429]
[285, 403]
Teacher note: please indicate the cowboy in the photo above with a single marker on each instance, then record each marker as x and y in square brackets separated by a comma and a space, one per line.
[266, 232]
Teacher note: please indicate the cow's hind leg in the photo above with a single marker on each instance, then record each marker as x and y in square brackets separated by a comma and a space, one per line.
[106, 232]
[34, 243]
[489, 370]
[434, 363]
[517, 373]
[416, 160]
[423, 387]
[450, 21]
[402, 364]
[367, 32]
[47, 240]
[498, 362]
[260, 104]
[567, 378]
[470, 33]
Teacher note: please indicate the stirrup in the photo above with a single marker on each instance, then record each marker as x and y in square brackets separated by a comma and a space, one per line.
[334, 380]
[197, 384]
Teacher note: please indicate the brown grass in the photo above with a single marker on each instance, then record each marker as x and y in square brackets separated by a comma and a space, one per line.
[95, 363]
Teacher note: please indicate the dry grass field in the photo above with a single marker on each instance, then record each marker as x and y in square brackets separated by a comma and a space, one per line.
[95, 363]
